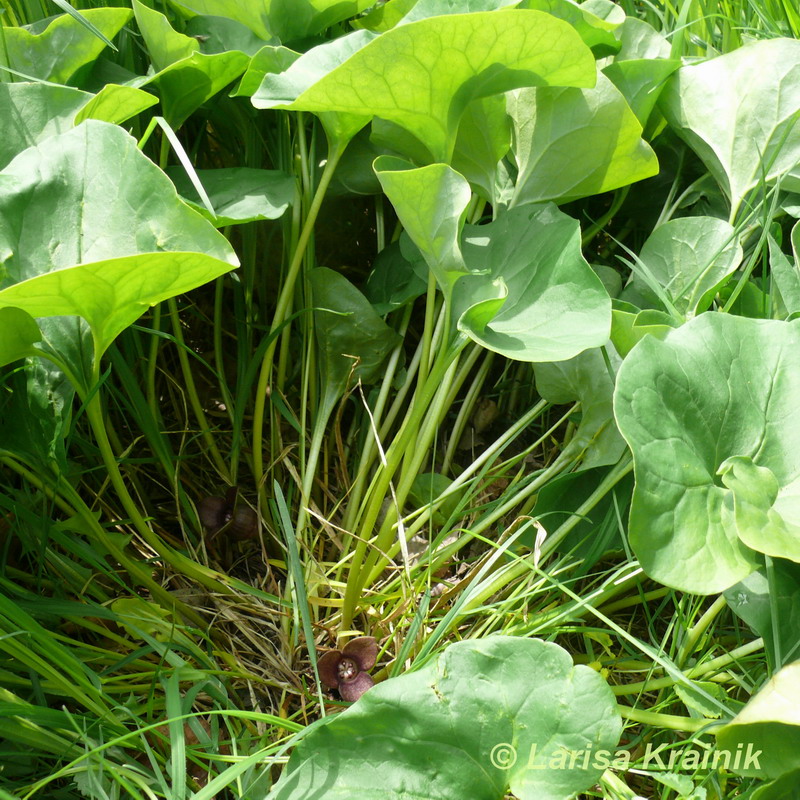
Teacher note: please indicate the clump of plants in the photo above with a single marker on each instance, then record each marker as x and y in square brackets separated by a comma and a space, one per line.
[400, 395]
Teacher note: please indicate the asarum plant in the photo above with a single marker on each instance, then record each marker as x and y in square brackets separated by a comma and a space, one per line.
[346, 669]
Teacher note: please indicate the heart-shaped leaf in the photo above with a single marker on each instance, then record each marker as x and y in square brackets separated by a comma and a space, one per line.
[399, 76]
[704, 411]
[488, 717]
[165, 45]
[353, 339]
[588, 379]
[739, 112]
[431, 202]
[112, 294]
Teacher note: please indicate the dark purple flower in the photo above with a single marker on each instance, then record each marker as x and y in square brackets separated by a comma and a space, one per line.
[346, 669]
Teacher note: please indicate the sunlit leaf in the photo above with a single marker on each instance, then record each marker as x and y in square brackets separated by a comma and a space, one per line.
[488, 717]
[470, 55]
[57, 53]
[713, 403]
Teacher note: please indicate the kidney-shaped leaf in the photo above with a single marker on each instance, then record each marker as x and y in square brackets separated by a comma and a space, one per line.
[421, 76]
[571, 143]
[498, 715]
[705, 410]
[739, 112]
[531, 296]
[767, 728]
[64, 46]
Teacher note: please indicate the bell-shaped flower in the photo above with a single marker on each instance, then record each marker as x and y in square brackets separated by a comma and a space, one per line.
[346, 669]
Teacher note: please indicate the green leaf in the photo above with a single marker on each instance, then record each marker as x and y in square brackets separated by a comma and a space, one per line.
[391, 76]
[484, 137]
[221, 34]
[431, 202]
[267, 60]
[641, 82]
[784, 788]
[695, 697]
[399, 275]
[738, 112]
[423, 9]
[384, 17]
[629, 326]
[530, 295]
[596, 30]
[112, 294]
[353, 339]
[65, 46]
[238, 194]
[711, 406]
[766, 515]
[165, 45]
[185, 85]
[640, 41]
[586, 379]
[279, 91]
[598, 532]
[286, 19]
[40, 111]
[116, 104]
[79, 215]
[571, 143]
[439, 732]
[36, 412]
[786, 276]
[18, 333]
[690, 258]
[768, 727]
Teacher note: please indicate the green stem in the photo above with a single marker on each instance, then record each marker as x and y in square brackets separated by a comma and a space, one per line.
[699, 628]
[281, 310]
[75, 506]
[176, 560]
[191, 390]
[668, 721]
[707, 667]
[380, 484]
